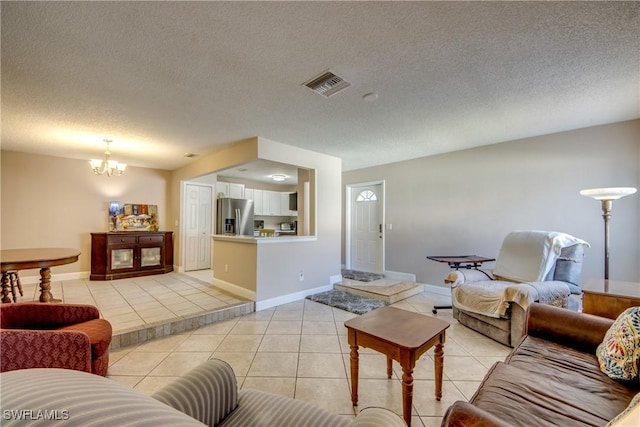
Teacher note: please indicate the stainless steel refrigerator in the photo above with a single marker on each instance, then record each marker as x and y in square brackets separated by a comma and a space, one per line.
[234, 217]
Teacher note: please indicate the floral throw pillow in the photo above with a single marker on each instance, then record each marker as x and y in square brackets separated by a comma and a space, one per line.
[619, 352]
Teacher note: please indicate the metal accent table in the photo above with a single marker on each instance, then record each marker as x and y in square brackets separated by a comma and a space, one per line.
[460, 261]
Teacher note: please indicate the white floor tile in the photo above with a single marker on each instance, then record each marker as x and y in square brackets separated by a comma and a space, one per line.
[297, 350]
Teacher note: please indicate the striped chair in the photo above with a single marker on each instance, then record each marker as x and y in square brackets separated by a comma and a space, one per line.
[207, 395]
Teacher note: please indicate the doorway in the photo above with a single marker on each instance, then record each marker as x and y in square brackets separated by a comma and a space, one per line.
[365, 227]
[198, 219]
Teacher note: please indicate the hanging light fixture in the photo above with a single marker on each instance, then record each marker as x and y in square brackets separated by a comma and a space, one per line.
[106, 165]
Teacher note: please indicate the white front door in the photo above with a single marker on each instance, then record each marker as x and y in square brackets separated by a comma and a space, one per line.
[198, 217]
[367, 228]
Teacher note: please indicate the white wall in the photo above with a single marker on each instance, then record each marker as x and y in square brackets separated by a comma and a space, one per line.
[466, 202]
[319, 259]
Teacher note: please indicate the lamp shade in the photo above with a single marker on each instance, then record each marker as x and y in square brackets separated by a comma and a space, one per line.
[613, 193]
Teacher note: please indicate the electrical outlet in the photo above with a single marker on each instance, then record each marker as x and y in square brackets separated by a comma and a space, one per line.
[226, 268]
[301, 276]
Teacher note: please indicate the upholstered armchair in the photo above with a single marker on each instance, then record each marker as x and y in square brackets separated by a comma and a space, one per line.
[45, 335]
[532, 266]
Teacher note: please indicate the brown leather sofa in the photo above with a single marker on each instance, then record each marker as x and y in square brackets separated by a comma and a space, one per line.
[551, 377]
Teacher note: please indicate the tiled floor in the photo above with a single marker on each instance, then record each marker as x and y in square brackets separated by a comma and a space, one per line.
[298, 350]
[131, 304]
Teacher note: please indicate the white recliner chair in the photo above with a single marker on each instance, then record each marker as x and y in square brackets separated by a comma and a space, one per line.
[532, 266]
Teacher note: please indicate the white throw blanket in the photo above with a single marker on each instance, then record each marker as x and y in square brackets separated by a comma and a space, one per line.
[529, 256]
[492, 298]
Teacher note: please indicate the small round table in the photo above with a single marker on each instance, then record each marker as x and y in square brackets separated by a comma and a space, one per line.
[43, 258]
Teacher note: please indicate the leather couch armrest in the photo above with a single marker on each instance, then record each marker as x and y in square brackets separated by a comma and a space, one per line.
[464, 414]
[22, 349]
[208, 393]
[581, 331]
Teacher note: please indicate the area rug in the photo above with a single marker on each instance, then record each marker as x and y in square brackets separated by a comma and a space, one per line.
[346, 301]
[361, 276]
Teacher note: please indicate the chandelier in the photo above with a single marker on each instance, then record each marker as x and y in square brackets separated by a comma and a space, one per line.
[106, 165]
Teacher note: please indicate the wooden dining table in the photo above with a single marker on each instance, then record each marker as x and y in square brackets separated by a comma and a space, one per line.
[14, 260]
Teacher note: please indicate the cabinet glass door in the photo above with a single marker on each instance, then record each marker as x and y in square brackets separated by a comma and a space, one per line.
[150, 257]
[121, 258]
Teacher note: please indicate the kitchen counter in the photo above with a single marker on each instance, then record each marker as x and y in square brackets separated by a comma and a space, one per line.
[262, 240]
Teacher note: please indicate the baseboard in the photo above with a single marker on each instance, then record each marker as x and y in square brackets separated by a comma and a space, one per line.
[234, 289]
[57, 277]
[396, 275]
[285, 299]
[440, 290]
[335, 279]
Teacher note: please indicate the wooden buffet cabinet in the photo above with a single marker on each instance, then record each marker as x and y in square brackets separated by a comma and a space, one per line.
[125, 254]
[609, 298]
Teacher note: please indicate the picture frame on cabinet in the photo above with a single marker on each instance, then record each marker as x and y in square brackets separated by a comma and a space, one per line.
[135, 217]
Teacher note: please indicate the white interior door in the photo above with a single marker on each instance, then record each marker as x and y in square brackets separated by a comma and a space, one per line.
[367, 228]
[198, 210]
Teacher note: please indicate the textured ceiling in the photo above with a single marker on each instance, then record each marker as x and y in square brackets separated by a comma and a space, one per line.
[165, 78]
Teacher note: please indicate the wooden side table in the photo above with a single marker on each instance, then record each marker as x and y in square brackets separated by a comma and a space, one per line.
[402, 336]
[609, 298]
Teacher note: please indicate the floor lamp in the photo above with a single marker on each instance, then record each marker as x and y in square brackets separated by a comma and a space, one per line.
[606, 197]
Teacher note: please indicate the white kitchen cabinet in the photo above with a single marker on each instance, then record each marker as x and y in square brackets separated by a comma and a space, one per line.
[274, 203]
[229, 189]
[266, 203]
[236, 191]
[222, 189]
[255, 195]
[284, 205]
[269, 203]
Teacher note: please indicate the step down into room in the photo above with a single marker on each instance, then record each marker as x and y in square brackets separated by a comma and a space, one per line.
[160, 329]
[385, 289]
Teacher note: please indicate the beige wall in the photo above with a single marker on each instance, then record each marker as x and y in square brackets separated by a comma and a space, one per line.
[50, 201]
[279, 265]
[240, 262]
[463, 202]
[466, 202]
[279, 270]
[56, 202]
[237, 154]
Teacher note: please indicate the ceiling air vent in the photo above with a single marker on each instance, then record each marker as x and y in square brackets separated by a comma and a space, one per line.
[327, 84]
